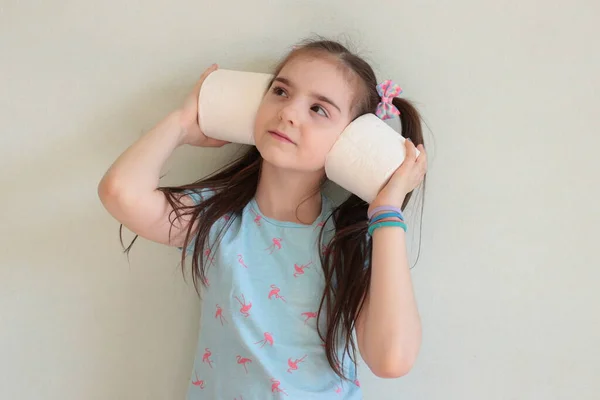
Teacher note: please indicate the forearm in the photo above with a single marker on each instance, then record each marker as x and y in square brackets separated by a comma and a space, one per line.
[138, 169]
[392, 326]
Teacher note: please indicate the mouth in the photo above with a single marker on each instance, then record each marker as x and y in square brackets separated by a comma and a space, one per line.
[281, 136]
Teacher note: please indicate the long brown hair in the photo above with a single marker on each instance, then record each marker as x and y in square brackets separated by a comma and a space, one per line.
[234, 185]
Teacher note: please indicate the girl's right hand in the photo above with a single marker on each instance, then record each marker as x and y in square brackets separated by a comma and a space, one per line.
[188, 115]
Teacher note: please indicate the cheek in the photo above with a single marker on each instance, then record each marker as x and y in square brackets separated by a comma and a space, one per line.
[318, 146]
[262, 116]
[325, 138]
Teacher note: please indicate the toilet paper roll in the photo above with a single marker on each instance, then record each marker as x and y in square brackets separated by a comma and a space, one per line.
[365, 156]
[228, 103]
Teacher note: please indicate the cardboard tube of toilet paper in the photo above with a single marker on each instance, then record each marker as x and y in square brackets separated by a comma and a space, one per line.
[365, 156]
[228, 103]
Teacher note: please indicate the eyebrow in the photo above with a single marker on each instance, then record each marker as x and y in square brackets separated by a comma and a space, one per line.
[325, 99]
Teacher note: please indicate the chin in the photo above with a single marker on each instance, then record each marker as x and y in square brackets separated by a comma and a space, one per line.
[277, 158]
[286, 156]
[274, 153]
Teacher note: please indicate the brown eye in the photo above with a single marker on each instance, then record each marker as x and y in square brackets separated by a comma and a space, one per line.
[278, 91]
[319, 110]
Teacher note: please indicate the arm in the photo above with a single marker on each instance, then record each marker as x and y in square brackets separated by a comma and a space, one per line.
[388, 328]
[129, 191]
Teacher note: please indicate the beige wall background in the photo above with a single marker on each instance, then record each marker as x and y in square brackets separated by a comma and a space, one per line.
[508, 277]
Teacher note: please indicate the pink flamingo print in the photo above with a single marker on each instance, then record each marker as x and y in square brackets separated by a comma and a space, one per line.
[257, 218]
[275, 246]
[241, 261]
[308, 316]
[206, 357]
[206, 282]
[338, 390]
[243, 361]
[198, 382]
[268, 339]
[207, 253]
[300, 269]
[275, 387]
[319, 225]
[294, 364]
[275, 292]
[219, 314]
[245, 307]
[356, 382]
[324, 249]
[226, 217]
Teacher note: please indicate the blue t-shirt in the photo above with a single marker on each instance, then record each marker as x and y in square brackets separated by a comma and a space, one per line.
[258, 337]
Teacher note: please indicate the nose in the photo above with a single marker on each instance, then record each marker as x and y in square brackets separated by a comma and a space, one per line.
[289, 114]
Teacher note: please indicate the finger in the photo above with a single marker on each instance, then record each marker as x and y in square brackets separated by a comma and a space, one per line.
[411, 154]
[211, 142]
[422, 163]
[207, 72]
[422, 153]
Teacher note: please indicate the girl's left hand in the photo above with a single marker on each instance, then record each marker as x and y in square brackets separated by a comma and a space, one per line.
[407, 177]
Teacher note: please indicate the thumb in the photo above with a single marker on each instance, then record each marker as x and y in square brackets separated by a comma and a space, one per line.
[211, 142]
[203, 77]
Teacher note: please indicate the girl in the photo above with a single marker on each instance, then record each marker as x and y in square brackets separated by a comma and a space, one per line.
[286, 278]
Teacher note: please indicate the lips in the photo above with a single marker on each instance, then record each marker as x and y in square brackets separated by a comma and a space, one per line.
[281, 136]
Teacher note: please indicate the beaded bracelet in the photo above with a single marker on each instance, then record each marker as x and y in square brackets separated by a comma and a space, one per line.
[386, 223]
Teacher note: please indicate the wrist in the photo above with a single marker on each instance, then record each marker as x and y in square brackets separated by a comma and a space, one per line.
[176, 121]
[382, 216]
[388, 223]
[389, 198]
[373, 207]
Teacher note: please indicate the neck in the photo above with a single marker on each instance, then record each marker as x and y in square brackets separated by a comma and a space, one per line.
[290, 196]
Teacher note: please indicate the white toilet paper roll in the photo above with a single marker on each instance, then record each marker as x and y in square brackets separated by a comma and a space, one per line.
[228, 103]
[365, 156]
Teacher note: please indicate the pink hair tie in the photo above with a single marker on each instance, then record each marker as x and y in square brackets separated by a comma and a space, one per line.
[387, 91]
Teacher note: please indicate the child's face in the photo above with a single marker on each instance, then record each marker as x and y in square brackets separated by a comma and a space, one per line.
[309, 102]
